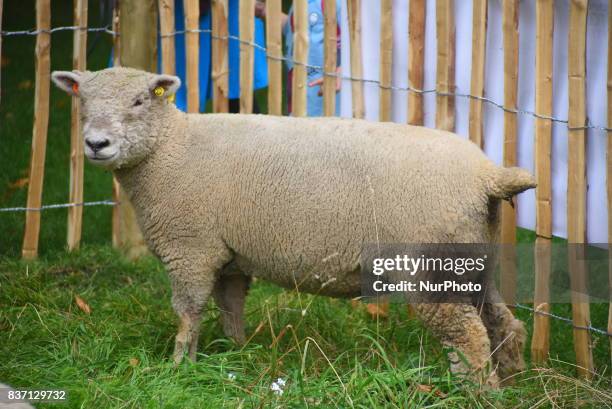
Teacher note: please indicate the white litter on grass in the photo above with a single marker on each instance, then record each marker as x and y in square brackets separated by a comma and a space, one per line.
[277, 386]
[231, 376]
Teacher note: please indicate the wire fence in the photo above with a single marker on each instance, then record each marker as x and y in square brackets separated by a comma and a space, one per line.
[564, 319]
[59, 206]
[320, 69]
[34, 32]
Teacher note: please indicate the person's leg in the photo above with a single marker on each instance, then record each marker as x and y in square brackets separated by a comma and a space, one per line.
[234, 106]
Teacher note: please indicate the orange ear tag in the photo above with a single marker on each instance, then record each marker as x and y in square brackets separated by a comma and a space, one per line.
[75, 88]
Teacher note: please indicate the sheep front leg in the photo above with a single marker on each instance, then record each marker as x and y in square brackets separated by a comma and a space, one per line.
[459, 327]
[187, 336]
[192, 284]
[230, 293]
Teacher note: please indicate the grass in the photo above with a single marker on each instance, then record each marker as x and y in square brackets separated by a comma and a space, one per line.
[329, 353]
[117, 356]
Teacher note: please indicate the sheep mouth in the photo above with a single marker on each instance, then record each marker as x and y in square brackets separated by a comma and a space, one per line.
[101, 159]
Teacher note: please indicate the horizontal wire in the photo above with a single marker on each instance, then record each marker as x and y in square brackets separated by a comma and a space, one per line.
[57, 206]
[564, 319]
[393, 87]
[334, 74]
[34, 32]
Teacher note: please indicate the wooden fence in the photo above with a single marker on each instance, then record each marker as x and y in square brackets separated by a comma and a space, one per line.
[576, 194]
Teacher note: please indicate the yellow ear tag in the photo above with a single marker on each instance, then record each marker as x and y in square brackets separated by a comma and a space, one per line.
[159, 91]
[171, 98]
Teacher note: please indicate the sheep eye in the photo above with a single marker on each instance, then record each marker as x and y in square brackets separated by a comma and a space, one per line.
[138, 102]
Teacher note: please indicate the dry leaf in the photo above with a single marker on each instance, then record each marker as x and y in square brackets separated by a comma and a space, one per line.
[4, 61]
[83, 306]
[19, 183]
[27, 84]
[429, 388]
[424, 388]
[378, 310]
[134, 362]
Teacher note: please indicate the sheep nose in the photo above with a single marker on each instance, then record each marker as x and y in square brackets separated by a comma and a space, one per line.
[98, 144]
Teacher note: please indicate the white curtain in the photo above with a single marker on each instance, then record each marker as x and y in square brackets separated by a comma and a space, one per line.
[597, 53]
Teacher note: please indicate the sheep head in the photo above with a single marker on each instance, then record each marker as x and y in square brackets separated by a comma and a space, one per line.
[122, 111]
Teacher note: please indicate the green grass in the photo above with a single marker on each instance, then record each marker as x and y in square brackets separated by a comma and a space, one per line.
[330, 354]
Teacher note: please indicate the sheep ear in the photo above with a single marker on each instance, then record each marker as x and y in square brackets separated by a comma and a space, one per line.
[67, 81]
[164, 85]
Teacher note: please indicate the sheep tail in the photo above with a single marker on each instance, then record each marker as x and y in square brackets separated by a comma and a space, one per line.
[509, 182]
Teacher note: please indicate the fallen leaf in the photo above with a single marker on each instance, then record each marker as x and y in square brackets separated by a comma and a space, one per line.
[4, 61]
[134, 362]
[429, 388]
[27, 84]
[378, 310]
[19, 183]
[83, 306]
[424, 388]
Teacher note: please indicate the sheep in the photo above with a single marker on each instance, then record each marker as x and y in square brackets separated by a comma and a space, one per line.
[221, 198]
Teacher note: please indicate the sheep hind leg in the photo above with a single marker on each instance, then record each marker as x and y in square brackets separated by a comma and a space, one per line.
[460, 328]
[508, 338]
[230, 293]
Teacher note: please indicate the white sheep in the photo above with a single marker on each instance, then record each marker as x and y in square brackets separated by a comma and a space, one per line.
[221, 197]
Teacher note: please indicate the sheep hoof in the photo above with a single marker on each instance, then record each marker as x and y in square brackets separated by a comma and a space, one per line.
[179, 349]
[193, 348]
[178, 358]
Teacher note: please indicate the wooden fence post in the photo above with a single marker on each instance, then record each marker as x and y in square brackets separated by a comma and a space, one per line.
[479, 40]
[1, 2]
[168, 39]
[331, 51]
[416, 60]
[577, 185]
[138, 22]
[79, 56]
[275, 52]
[192, 46]
[452, 88]
[39, 133]
[609, 174]
[542, 147]
[444, 14]
[386, 59]
[353, 9]
[508, 216]
[220, 64]
[300, 57]
[116, 217]
[247, 54]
